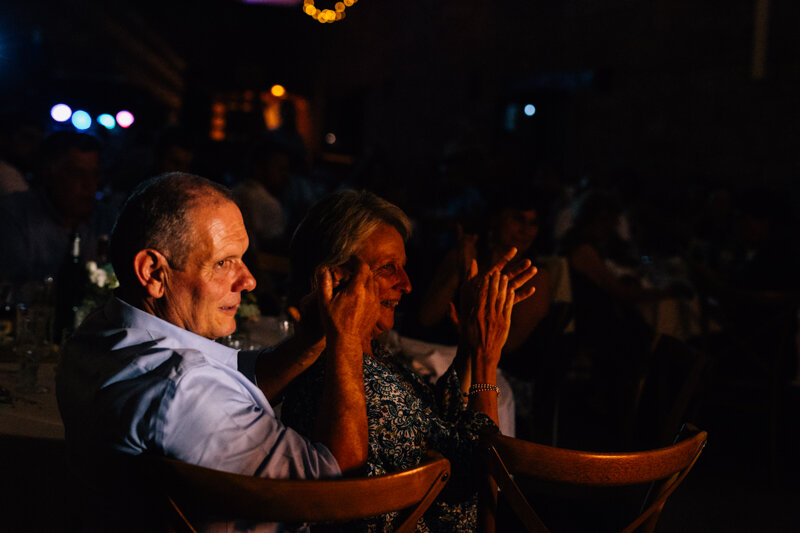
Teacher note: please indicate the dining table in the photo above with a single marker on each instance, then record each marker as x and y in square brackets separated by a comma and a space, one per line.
[24, 413]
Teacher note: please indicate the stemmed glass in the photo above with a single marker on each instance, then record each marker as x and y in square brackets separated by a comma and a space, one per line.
[34, 334]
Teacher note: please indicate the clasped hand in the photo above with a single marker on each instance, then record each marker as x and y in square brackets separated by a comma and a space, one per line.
[349, 307]
[486, 303]
[338, 305]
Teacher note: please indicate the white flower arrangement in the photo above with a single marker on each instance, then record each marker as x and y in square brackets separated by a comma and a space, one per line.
[102, 277]
[102, 281]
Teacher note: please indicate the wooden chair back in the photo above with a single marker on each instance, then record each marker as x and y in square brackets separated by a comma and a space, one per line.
[510, 461]
[200, 495]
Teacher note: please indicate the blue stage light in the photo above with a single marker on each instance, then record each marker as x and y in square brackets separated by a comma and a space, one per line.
[107, 121]
[81, 120]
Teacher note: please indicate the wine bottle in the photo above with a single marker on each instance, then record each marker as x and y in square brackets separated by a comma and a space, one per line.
[70, 286]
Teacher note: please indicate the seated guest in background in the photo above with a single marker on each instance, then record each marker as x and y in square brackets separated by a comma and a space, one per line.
[406, 415]
[174, 151]
[20, 138]
[260, 197]
[267, 175]
[611, 333]
[143, 375]
[37, 225]
[512, 221]
[755, 296]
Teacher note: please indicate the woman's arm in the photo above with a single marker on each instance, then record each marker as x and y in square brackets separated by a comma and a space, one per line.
[528, 313]
[586, 260]
[484, 320]
[435, 305]
[348, 317]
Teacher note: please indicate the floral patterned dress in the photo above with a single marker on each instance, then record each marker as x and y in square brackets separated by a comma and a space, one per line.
[407, 416]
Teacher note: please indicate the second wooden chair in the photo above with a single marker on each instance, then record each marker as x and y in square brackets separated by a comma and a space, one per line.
[513, 463]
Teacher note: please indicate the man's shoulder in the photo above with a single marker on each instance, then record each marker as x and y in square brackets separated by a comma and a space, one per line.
[122, 331]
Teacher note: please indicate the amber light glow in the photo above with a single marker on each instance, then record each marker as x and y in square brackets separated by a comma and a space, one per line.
[278, 91]
[327, 15]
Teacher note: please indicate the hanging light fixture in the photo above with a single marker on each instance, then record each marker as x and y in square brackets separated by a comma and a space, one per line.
[326, 16]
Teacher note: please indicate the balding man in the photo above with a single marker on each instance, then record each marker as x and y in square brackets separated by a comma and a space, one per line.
[144, 375]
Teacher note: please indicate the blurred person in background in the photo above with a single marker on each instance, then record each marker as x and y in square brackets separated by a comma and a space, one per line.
[20, 138]
[511, 221]
[260, 196]
[38, 226]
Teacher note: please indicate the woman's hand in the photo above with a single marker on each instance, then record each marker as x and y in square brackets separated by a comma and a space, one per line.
[518, 274]
[348, 308]
[485, 317]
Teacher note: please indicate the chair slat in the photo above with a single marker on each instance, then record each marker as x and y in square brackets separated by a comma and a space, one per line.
[203, 494]
[509, 460]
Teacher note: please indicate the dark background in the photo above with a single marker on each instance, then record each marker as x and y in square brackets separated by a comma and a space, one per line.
[665, 90]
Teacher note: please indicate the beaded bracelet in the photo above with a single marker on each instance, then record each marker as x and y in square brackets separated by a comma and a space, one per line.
[480, 387]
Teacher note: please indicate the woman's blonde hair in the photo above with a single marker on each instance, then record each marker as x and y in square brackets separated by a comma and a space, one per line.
[334, 229]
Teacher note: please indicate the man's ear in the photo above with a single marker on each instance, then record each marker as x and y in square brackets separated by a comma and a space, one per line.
[151, 268]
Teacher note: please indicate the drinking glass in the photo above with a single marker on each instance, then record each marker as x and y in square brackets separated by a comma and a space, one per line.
[34, 335]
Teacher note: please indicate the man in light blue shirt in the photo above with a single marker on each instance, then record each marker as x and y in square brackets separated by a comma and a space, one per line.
[144, 375]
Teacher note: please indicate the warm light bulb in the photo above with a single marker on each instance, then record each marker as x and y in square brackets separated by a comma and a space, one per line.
[278, 91]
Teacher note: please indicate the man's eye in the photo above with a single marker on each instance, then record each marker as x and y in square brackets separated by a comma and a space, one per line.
[222, 263]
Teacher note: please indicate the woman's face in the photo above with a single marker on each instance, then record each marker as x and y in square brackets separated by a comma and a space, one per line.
[517, 228]
[385, 253]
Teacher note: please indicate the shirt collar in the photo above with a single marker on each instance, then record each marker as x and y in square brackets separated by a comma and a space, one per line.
[132, 317]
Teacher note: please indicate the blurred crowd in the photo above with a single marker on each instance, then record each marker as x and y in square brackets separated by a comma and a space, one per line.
[622, 241]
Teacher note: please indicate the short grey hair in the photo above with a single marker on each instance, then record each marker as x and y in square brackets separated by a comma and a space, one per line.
[334, 229]
[157, 215]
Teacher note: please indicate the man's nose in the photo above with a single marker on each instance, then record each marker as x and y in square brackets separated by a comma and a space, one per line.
[245, 281]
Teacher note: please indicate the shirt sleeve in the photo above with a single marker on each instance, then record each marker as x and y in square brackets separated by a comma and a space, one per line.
[213, 419]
